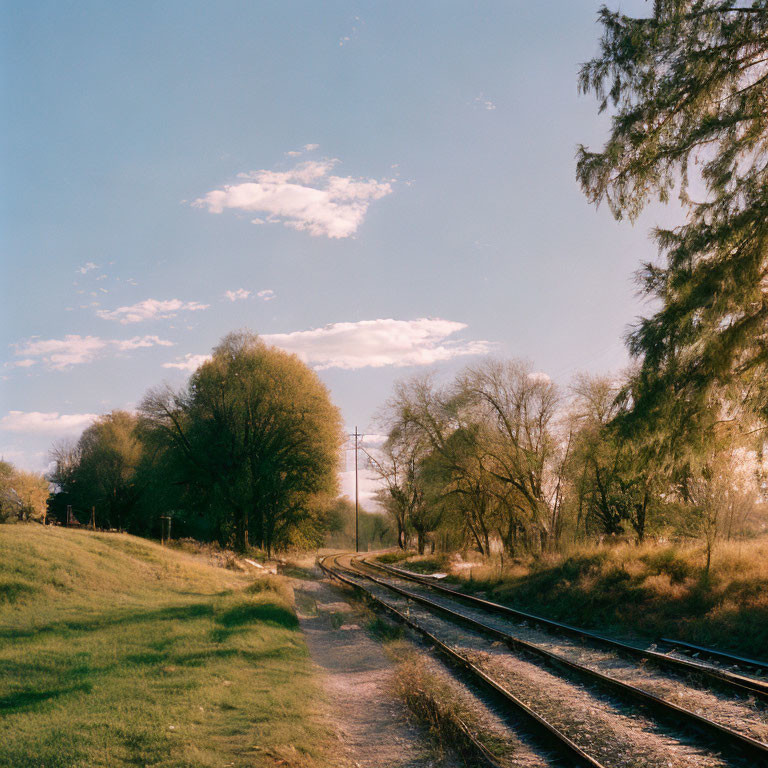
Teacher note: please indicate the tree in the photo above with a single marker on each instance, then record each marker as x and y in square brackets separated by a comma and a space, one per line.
[399, 465]
[689, 88]
[100, 470]
[23, 495]
[340, 527]
[256, 435]
[614, 477]
[32, 491]
[517, 408]
[719, 487]
[8, 499]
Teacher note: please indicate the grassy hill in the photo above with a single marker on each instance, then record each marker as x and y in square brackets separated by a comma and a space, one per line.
[116, 651]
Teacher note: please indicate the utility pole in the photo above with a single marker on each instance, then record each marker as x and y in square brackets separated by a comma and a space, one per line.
[357, 504]
[357, 435]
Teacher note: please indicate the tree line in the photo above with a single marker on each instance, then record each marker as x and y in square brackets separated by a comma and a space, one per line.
[502, 456]
[245, 454]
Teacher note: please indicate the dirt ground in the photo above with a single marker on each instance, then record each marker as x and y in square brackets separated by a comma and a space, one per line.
[373, 726]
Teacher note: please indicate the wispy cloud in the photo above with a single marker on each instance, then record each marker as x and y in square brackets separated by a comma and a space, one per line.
[237, 295]
[34, 421]
[482, 102]
[75, 350]
[189, 362]
[87, 267]
[305, 198]
[266, 295]
[150, 309]
[358, 22]
[379, 343]
[138, 342]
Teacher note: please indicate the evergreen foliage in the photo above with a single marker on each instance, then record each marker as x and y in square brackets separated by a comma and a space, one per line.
[689, 90]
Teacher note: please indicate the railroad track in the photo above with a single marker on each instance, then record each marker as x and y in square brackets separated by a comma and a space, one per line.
[759, 666]
[553, 736]
[744, 745]
[723, 679]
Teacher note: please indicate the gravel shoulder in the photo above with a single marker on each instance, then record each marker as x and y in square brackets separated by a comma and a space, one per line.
[373, 727]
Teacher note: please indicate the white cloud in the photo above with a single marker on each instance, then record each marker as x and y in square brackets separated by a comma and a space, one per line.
[266, 295]
[237, 295]
[150, 309]
[34, 421]
[87, 267]
[300, 152]
[189, 362]
[539, 377]
[304, 198]
[484, 103]
[74, 349]
[378, 343]
[141, 341]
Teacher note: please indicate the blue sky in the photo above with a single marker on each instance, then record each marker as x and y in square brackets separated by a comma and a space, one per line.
[383, 188]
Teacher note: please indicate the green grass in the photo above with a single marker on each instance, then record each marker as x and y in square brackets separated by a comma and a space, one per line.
[117, 652]
[645, 591]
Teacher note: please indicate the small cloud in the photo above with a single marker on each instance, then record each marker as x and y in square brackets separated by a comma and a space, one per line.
[150, 309]
[189, 362]
[101, 277]
[294, 153]
[482, 102]
[357, 23]
[539, 377]
[306, 198]
[35, 421]
[26, 363]
[266, 295]
[87, 267]
[138, 342]
[238, 295]
[311, 147]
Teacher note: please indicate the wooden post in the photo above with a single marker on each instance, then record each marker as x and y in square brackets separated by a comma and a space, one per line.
[69, 515]
[93, 518]
[165, 532]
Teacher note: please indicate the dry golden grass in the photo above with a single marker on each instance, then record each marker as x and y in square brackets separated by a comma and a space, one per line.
[648, 590]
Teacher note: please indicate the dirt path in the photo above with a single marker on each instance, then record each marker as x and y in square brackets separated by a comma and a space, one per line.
[373, 728]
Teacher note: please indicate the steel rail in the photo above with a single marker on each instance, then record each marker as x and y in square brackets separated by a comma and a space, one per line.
[745, 686]
[662, 706]
[562, 742]
[715, 653]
